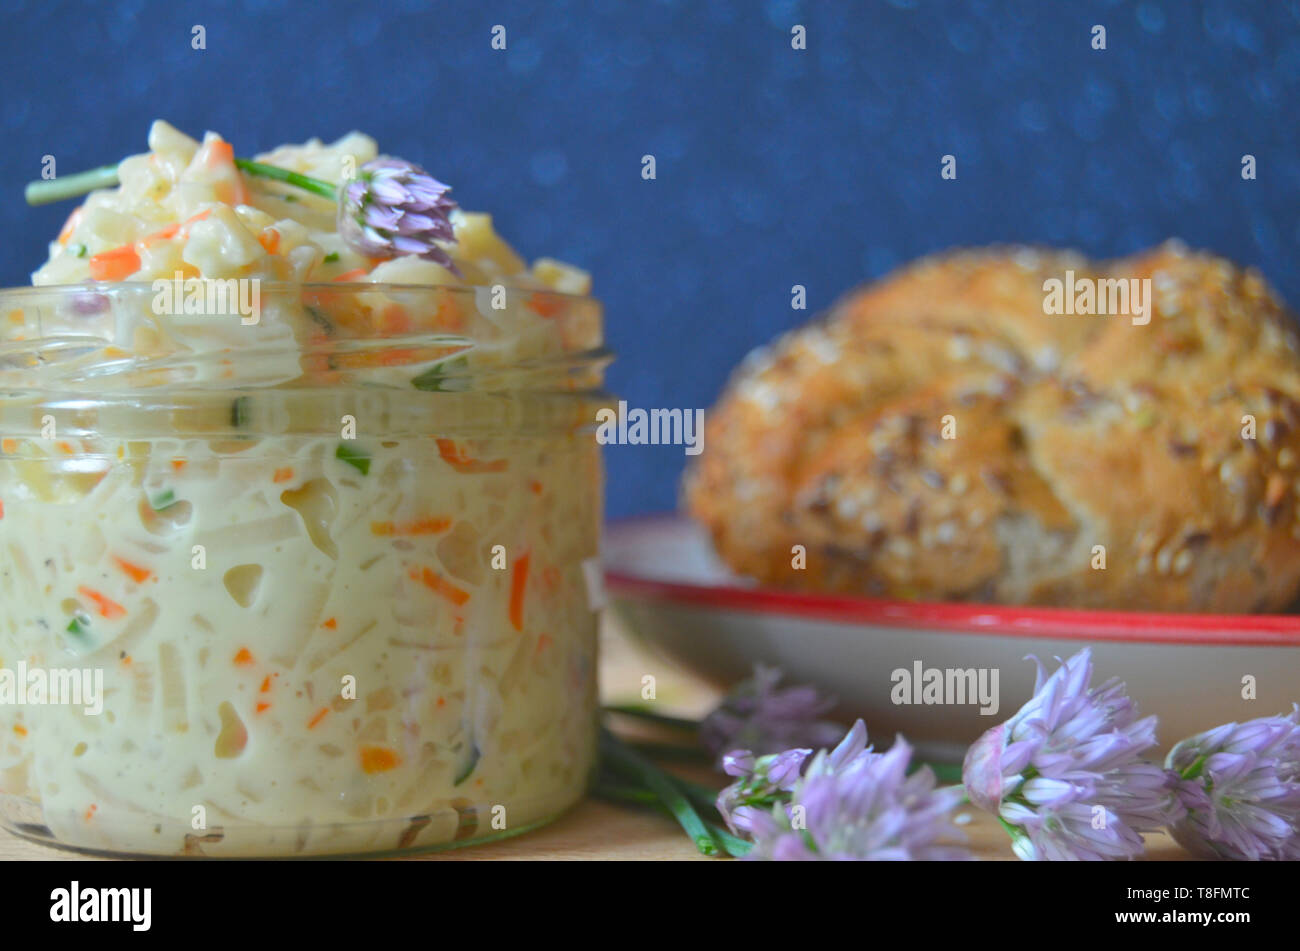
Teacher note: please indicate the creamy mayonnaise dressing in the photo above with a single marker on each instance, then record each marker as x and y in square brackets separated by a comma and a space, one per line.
[313, 638]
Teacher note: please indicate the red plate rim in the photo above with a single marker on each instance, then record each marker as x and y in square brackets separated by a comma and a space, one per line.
[1141, 627]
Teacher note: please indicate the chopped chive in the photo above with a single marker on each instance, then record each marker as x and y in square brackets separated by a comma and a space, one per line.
[331, 257]
[241, 412]
[164, 499]
[75, 626]
[78, 250]
[467, 769]
[319, 318]
[354, 457]
[289, 198]
[434, 379]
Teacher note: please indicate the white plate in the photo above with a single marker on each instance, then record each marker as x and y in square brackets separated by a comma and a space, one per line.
[1192, 670]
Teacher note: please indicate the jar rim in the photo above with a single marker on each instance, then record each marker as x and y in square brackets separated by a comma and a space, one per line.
[234, 332]
[354, 286]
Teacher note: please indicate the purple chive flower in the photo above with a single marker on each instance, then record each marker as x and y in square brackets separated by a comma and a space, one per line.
[395, 208]
[759, 716]
[1065, 773]
[858, 805]
[1240, 785]
[762, 784]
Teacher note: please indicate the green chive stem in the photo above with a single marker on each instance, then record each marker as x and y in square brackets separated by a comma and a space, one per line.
[663, 719]
[313, 185]
[623, 759]
[45, 191]
[671, 751]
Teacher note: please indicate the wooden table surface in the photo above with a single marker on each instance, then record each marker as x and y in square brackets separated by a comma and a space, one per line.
[596, 830]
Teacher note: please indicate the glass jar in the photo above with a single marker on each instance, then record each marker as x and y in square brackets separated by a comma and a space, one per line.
[310, 580]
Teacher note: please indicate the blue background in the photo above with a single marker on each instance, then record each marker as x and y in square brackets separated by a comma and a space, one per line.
[775, 167]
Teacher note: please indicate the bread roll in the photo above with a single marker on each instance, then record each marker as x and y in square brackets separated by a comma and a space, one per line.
[938, 436]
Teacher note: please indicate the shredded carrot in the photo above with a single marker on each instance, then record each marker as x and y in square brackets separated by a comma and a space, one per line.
[352, 275]
[107, 607]
[535, 486]
[378, 759]
[162, 234]
[269, 239]
[442, 701]
[455, 456]
[90, 813]
[551, 578]
[262, 707]
[244, 657]
[518, 579]
[126, 661]
[137, 573]
[20, 729]
[440, 585]
[115, 264]
[397, 357]
[2, 508]
[420, 526]
[220, 153]
[395, 319]
[9, 445]
[266, 684]
[178, 464]
[283, 475]
[543, 642]
[223, 154]
[331, 623]
[181, 228]
[317, 717]
[448, 316]
[67, 447]
[545, 305]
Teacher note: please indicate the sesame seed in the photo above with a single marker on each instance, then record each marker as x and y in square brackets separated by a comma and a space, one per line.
[900, 547]
[1163, 560]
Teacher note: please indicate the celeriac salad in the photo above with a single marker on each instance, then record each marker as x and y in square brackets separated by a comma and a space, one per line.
[335, 564]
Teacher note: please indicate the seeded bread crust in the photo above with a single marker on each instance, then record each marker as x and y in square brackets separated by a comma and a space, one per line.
[1069, 432]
